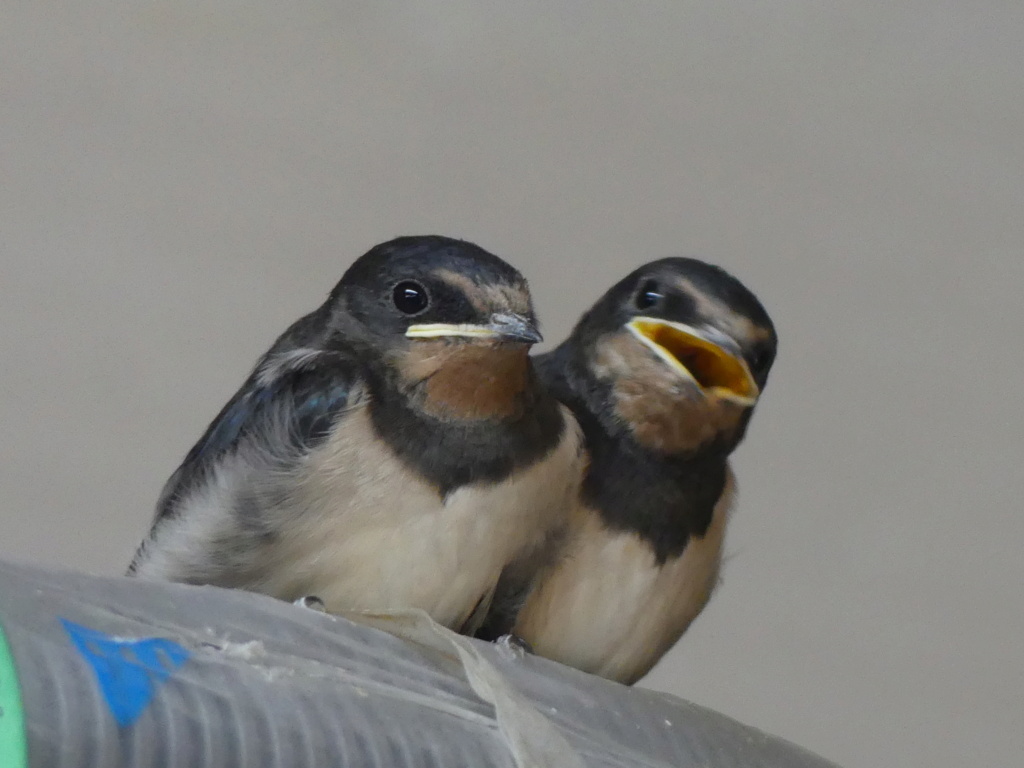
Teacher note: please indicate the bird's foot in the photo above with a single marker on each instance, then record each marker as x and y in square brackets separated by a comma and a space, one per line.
[312, 602]
[513, 646]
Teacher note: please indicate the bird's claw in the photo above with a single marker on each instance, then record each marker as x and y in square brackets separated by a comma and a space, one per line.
[312, 602]
[514, 646]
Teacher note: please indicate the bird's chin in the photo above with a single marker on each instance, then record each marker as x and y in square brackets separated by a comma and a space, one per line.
[702, 368]
[670, 414]
[467, 380]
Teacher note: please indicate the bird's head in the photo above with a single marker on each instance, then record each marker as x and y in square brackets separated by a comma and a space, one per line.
[443, 320]
[684, 349]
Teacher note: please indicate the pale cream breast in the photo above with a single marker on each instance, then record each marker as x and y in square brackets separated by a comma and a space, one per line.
[370, 534]
[608, 608]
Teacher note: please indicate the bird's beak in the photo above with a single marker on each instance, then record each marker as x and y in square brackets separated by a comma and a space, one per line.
[503, 327]
[708, 357]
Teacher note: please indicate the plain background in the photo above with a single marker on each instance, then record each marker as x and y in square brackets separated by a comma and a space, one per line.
[180, 180]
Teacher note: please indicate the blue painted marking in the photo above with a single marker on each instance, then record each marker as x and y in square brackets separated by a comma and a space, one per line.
[129, 671]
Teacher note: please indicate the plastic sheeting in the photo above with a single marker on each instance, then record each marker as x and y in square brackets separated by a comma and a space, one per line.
[122, 672]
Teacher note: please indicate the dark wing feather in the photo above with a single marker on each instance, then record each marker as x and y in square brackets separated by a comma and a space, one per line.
[286, 414]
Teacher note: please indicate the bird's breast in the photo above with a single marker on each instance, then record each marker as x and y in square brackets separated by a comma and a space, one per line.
[370, 534]
[607, 607]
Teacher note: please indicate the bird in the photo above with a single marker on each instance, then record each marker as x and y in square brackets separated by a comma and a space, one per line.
[662, 374]
[394, 449]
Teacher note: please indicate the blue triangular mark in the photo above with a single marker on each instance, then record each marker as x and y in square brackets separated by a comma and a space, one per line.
[129, 671]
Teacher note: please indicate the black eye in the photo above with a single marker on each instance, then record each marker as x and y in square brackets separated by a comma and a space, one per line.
[648, 295]
[410, 297]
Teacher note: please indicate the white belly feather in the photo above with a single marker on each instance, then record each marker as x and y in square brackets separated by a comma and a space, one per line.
[374, 536]
[608, 608]
[361, 531]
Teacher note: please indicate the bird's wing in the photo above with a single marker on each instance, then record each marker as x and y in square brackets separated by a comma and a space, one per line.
[285, 408]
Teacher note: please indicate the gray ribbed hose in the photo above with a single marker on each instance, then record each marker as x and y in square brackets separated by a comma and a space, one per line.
[107, 672]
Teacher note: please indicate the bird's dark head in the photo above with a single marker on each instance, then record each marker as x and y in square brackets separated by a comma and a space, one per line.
[685, 350]
[444, 319]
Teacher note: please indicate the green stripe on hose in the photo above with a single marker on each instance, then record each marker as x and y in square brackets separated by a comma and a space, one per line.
[13, 746]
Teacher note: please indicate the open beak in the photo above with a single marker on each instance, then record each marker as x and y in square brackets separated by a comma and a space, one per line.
[700, 355]
[503, 327]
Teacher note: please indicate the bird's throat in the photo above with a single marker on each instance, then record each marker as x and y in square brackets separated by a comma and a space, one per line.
[469, 381]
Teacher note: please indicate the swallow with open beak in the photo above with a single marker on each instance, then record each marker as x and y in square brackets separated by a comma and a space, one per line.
[393, 449]
[662, 374]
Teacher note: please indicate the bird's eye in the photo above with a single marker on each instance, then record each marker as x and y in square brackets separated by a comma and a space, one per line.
[410, 297]
[649, 295]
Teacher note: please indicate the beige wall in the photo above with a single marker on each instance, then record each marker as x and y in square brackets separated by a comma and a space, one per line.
[180, 180]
